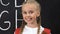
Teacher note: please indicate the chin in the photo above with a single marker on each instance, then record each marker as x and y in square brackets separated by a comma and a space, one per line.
[28, 22]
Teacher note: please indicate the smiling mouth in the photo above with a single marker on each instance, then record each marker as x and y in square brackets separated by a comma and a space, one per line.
[29, 19]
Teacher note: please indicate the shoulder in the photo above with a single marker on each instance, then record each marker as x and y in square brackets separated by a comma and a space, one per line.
[17, 31]
[47, 31]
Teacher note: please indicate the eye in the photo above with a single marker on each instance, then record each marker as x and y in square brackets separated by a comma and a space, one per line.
[24, 12]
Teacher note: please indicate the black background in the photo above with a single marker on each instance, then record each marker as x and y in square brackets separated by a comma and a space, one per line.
[50, 15]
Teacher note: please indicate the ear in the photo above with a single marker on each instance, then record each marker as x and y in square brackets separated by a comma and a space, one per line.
[38, 14]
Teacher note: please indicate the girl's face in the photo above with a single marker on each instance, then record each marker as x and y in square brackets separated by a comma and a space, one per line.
[30, 13]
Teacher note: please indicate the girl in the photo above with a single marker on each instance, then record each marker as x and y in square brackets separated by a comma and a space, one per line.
[31, 23]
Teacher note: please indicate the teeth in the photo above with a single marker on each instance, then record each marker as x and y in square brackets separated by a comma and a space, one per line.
[29, 18]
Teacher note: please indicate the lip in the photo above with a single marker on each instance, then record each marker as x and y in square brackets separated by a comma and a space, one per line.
[28, 19]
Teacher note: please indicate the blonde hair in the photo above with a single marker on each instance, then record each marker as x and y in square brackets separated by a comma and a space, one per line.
[38, 18]
[32, 2]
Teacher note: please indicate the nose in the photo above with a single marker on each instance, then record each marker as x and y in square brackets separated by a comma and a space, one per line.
[28, 14]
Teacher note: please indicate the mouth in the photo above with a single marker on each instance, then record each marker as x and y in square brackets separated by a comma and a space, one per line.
[29, 19]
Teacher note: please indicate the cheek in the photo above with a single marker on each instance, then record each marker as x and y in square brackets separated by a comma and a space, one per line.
[23, 16]
[34, 16]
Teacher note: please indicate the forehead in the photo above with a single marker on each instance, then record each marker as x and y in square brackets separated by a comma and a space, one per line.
[29, 7]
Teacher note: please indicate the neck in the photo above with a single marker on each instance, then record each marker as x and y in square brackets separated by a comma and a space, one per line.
[33, 25]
